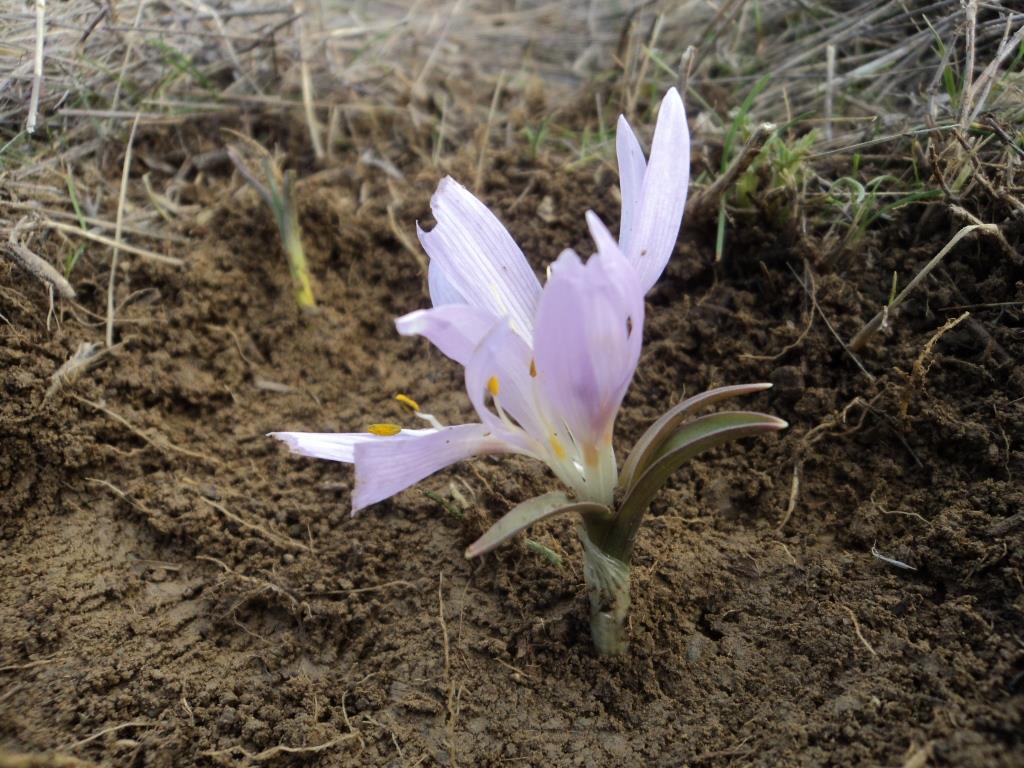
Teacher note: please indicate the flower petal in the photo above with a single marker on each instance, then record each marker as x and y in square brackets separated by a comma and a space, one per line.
[390, 465]
[455, 329]
[441, 289]
[654, 225]
[478, 259]
[335, 446]
[632, 167]
[587, 342]
[501, 366]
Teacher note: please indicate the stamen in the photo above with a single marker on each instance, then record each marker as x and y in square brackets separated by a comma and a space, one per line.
[492, 386]
[533, 368]
[384, 430]
[557, 446]
[407, 401]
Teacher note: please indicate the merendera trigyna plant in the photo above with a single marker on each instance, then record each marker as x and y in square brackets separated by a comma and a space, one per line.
[547, 369]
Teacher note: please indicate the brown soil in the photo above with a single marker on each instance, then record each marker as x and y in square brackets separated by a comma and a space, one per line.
[177, 589]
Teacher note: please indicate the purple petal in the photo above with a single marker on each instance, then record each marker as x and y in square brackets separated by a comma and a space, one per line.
[632, 167]
[441, 289]
[390, 465]
[654, 223]
[478, 259]
[503, 356]
[335, 446]
[455, 329]
[587, 341]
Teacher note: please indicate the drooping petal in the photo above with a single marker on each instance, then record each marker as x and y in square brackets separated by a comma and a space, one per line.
[335, 446]
[478, 259]
[390, 465]
[455, 329]
[632, 167]
[658, 208]
[587, 342]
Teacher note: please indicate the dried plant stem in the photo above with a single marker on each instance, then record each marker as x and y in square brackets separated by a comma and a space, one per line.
[921, 365]
[111, 729]
[686, 68]
[967, 93]
[276, 751]
[285, 542]
[307, 81]
[125, 167]
[37, 68]
[794, 494]
[830, 88]
[981, 87]
[708, 198]
[856, 629]
[94, 222]
[129, 47]
[485, 139]
[39, 267]
[85, 357]
[162, 445]
[864, 334]
[449, 684]
[102, 240]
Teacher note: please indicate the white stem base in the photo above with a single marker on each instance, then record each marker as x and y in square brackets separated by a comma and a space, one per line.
[607, 581]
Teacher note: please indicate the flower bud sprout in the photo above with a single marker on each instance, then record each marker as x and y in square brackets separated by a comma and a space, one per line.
[279, 195]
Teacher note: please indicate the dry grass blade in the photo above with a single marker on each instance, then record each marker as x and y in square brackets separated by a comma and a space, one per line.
[708, 199]
[116, 252]
[161, 443]
[87, 356]
[37, 68]
[144, 253]
[279, 539]
[279, 750]
[307, 81]
[864, 334]
[38, 267]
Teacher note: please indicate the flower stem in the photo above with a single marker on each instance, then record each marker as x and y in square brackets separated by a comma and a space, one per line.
[607, 579]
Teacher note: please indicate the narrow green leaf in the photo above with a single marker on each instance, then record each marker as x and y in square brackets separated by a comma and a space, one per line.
[692, 439]
[660, 431]
[524, 515]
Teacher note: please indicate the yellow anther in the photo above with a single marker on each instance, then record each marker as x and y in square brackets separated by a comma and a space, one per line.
[384, 430]
[407, 401]
[492, 386]
[557, 446]
[533, 368]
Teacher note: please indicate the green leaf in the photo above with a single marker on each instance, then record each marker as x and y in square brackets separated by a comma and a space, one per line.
[524, 515]
[660, 431]
[690, 440]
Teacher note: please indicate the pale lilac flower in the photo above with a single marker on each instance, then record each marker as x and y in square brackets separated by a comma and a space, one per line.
[546, 369]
